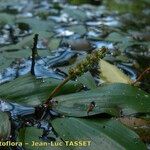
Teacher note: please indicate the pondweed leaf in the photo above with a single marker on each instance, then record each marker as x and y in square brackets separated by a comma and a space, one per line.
[115, 99]
[101, 134]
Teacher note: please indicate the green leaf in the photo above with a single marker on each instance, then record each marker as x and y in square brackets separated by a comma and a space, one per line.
[75, 13]
[6, 19]
[114, 99]
[122, 40]
[2, 64]
[5, 126]
[31, 91]
[37, 25]
[115, 37]
[29, 137]
[54, 43]
[112, 74]
[26, 42]
[80, 29]
[103, 134]
[87, 80]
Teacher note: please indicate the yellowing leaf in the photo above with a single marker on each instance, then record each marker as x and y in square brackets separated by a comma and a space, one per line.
[112, 74]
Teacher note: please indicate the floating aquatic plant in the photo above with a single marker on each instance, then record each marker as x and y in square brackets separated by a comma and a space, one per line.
[81, 68]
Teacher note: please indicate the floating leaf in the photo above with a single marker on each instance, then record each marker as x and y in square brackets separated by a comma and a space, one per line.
[31, 91]
[26, 42]
[87, 80]
[78, 29]
[114, 99]
[115, 37]
[37, 25]
[76, 14]
[4, 126]
[102, 134]
[54, 43]
[6, 19]
[112, 74]
[30, 138]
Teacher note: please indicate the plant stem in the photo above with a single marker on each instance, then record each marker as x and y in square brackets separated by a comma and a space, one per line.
[57, 89]
[141, 75]
[78, 70]
[34, 53]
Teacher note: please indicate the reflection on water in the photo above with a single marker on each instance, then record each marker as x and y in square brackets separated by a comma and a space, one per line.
[15, 109]
[44, 66]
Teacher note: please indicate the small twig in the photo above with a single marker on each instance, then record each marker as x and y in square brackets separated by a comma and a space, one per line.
[82, 67]
[34, 53]
[141, 75]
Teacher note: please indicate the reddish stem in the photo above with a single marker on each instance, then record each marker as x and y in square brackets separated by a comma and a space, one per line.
[141, 75]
